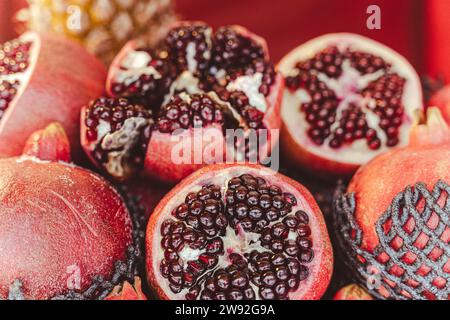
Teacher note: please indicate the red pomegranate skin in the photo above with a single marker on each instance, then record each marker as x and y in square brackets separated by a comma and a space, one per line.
[55, 217]
[65, 77]
[376, 184]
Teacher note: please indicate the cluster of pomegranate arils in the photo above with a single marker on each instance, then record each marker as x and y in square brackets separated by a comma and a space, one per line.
[188, 81]
[327, 123]
[14, 58]
[201, 261]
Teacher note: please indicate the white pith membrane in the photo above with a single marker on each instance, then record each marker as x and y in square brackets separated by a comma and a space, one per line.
[235, 240]
[135, 64]
[119, 144]
[348, 87]
[22, 77]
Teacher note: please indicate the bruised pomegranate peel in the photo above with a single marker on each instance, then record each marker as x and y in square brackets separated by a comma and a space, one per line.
[320, 269]
[348, 87]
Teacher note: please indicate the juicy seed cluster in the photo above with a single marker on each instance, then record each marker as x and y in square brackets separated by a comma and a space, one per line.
[148, 88]
[353, 126]
[230, 283]
[366, 63]
[385, 95]
[113, 113]
[290, 236]
[387, 92]
[198, 111]
[178, 39]
[14, 58]
[275, 274]
[253, 204]
[203, 210]
[176, 237]
[320, 112]
[231, 50]
[328, 61]
[8, 91]
[200, 263]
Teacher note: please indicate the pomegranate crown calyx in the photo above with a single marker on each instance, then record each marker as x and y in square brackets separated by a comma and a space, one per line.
[429, 129]
[50, 143]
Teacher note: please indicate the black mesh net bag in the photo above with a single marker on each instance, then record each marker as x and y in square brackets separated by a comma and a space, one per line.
[412, 257]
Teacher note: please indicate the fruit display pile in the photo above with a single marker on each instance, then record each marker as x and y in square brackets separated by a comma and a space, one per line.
[348, 196]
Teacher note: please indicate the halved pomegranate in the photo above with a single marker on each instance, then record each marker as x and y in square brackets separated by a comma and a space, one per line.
[196, 79]
[238, 232]
[65, 232]
[393, 223]
[44, 79]
[347, 99]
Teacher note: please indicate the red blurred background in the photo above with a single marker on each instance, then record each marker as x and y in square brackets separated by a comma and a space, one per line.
[417, 29]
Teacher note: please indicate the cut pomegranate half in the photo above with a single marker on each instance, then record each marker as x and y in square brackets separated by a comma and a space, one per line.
[196, 79]
[238, 232]
[44, 79]
[347, 99]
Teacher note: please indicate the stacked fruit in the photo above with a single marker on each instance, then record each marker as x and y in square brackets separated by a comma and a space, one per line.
[235, 230]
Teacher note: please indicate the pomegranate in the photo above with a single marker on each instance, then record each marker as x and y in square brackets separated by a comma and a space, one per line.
[441, 99]
[65, 232]
[43, 79]
[197, 79]
[393, 221]
[352, 292]
[347, 99]
[238, 232]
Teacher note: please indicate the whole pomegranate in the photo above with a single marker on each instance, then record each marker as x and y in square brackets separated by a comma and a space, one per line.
[352, 292]
[441, 99]
[170, 110]
[43, 79]
[347, 99]
[238, 232]
[65, 233]
[393, 221]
